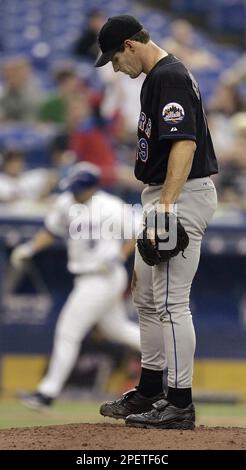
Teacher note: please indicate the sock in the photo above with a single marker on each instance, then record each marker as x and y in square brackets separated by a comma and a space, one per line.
[150, 383]
[180, 397]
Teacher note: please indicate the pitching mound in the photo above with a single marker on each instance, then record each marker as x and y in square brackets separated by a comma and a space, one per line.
[107, 436]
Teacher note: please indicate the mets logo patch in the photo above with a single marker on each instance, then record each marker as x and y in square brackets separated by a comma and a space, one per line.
[173, 113]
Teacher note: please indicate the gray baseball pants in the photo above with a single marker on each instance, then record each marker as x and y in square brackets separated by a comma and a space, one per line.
[161, 293]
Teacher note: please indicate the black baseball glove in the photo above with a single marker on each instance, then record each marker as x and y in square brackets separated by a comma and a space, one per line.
[162, 238]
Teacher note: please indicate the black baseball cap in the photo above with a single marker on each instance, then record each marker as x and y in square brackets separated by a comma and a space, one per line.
[113, 33]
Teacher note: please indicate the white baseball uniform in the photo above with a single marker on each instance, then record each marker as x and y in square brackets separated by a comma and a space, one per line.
[99, 284]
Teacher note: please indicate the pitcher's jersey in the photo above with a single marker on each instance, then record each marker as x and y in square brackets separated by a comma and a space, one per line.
[88, 229]
[171, 109]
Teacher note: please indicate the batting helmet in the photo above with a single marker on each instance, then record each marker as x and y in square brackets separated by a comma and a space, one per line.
[81, 177]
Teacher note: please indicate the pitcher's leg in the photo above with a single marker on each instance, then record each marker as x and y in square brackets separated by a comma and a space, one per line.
[150, 387]
[172, 284]
[151, 333]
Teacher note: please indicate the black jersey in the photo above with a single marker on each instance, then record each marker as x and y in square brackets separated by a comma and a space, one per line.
[171, 109]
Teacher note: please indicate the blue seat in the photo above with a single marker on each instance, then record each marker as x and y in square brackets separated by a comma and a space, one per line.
[34, 142]
[229, 17]
[192, 6]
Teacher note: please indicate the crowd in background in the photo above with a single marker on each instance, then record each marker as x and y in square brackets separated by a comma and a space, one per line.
[89, 114]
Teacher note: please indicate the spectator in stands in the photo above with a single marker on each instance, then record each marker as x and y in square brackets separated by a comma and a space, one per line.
[54, 108]
[121, 102]
[182, 43]
[88, 140]
[233, 165]
[236, 74]
[86, 45]
[225, 99]
[223, 104]
[21, 92]
[63, 158]
[18, 183]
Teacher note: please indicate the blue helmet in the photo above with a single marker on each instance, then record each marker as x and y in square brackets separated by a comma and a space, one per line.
[81, 177]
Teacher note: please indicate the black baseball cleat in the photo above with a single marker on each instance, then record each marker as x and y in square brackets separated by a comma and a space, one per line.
[131, 402]
[164, 415]
[36, 401]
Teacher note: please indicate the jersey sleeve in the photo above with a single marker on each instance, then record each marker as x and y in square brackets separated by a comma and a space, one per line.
[177, 114]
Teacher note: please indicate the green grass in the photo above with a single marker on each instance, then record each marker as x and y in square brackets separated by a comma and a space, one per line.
[14, 414]
[221, 415]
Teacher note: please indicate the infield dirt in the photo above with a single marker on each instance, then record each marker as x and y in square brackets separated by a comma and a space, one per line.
[105, 436]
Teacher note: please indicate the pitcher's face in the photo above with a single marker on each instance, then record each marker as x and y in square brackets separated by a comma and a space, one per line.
[127, 62]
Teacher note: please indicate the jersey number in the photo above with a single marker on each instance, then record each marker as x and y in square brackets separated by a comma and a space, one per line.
[143, 149]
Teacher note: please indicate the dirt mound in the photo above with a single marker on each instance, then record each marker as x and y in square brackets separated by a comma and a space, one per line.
[107, 436]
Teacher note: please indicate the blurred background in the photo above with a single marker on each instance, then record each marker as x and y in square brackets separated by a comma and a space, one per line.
[57, 109]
